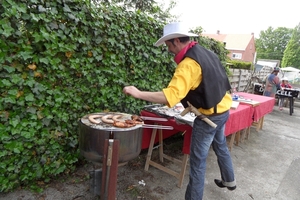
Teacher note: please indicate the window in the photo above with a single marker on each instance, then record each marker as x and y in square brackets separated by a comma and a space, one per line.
[236, 55]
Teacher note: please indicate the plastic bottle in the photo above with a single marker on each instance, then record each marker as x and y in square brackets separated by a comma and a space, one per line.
[233, 94]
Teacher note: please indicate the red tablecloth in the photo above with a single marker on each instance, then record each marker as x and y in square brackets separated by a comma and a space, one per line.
[239, 119]
[266, 104]
[166, 133]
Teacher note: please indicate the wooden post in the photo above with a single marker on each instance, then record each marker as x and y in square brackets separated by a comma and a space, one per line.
[110, 169]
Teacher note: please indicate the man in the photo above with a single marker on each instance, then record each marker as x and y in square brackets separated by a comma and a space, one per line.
[200, 79]
[272, 83]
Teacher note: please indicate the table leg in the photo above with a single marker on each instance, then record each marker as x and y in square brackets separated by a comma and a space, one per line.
[183, 169]
[182, 163]
[291, 105]
[150, 149]
[237, 138]
[232, 137]
[261, 122]
[244, 134]
[248, 132]
[161, 146]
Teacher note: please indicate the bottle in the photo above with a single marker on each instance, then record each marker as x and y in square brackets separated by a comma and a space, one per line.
[234, 96]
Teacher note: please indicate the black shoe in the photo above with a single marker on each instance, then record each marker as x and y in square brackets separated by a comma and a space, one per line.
[220, 184]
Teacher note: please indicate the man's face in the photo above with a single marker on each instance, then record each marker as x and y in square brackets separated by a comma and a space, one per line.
[171, 47]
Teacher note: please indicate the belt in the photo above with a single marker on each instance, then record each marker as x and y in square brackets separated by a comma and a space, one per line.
[216, 114]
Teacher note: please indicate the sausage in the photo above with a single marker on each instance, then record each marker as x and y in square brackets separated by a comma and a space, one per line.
[136, 118]
[122, 124]
[92, 118]
[117, 117]
[129, 121]
[108, 119]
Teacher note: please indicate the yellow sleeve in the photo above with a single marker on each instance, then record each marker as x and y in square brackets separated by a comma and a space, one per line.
[187, 76]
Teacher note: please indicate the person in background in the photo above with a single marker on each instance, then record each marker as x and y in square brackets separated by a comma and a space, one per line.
[284, 84]
[192, 82]
[272, 83]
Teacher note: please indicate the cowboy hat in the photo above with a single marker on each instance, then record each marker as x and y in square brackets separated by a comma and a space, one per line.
[174, 30]
[284, 79]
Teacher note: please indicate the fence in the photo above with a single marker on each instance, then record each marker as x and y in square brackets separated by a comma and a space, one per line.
[243, 80]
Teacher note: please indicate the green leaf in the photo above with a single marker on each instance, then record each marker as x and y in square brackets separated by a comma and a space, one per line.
[44, 60]
[25, 55]
[16, 78]
[10, 99]
[34, 17]
[14, 146]
[6, 83]
[14, 122]
[66, 8]
[13, 92]
[27, 134]
[4, 136]
[2, 154]
[9, 69]
[29, 97]
[7, 29]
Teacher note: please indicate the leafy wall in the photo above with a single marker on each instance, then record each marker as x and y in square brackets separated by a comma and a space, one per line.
[60, 60]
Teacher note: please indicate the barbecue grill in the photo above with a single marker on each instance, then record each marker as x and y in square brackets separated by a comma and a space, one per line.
[96, 144]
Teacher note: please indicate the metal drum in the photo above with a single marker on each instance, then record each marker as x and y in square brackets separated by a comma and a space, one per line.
[92, 138]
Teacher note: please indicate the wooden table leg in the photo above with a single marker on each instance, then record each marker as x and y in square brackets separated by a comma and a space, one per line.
[150, 149]
[183, 169]
[248, 132]
[232, 137]
[261, 122]
[161, 146]
[182, 163]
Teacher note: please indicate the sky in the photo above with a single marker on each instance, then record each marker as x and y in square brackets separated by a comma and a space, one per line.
[237, 16]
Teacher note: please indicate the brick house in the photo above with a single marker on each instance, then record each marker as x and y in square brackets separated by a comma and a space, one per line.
[241, 46]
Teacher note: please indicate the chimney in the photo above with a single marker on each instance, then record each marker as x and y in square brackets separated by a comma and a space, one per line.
[218, 32]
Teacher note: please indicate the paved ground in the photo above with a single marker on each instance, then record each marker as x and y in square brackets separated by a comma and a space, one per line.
[266, 166]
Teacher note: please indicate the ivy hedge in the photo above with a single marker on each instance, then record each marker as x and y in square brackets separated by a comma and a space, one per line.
[63, 59]
[237, 64]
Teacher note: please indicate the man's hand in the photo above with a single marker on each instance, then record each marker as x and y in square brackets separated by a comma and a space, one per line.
[154, 97]
[131, 90]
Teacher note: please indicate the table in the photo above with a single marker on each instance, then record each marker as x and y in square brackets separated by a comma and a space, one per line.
[166, 133]
[265, 106]
[239, 119]
[290, 94]
[150, 137]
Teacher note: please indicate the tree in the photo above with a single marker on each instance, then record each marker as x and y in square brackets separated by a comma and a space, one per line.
[292, 52]
[153, 8]
[272, 43]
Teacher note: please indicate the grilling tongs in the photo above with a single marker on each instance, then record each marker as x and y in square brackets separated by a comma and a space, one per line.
[156, 126]
[160, 119]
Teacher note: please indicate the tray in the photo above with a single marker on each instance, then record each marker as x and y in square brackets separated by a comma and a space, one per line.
[164, 111]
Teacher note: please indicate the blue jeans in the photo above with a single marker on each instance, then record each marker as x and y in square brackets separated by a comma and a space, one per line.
[203, 136]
